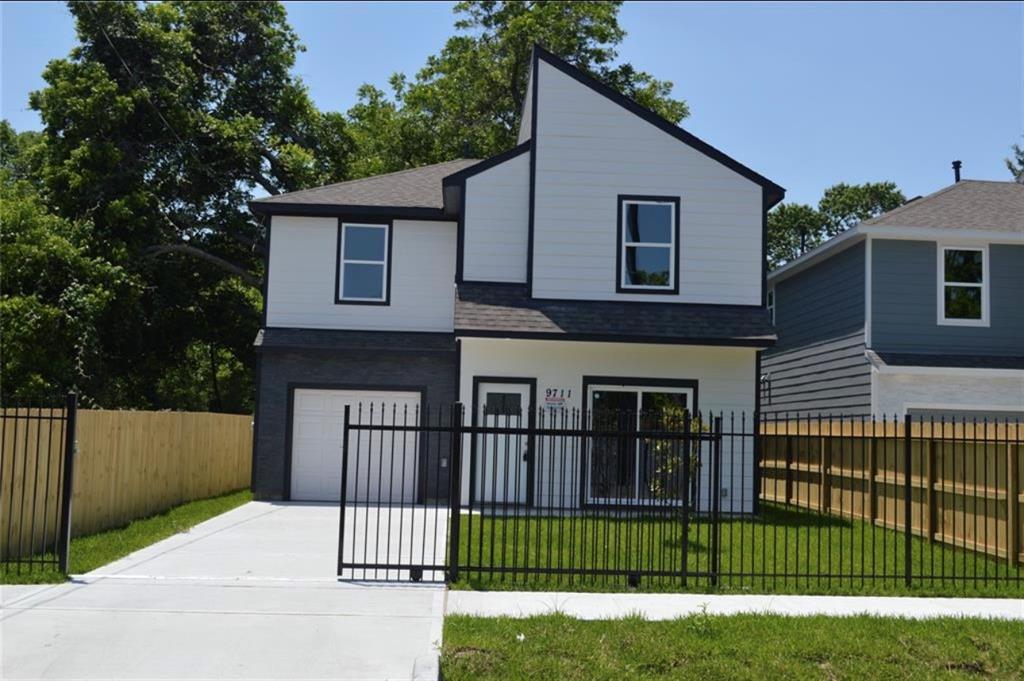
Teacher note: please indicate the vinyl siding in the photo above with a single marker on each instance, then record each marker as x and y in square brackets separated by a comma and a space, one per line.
[588, 151]
[818, 366]
[301, 286]
[829, 377]
[495, 222]
[905, 309]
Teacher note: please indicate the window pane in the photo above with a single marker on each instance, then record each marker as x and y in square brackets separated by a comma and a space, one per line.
[963, 302]
[613, 459]
[648, 266]
[963, 267]
[503, 404]
[365, 243]
[363, 281]
[663, 410]
[649, 223]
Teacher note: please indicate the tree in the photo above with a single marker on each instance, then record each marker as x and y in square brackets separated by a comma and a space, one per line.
[796, 228]
[1016, 164]
[55, 299]
[468, 99]
[159, 127]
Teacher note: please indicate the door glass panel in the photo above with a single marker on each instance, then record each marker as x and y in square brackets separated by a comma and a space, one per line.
[613, 458]
[503, 404]
[661, 459]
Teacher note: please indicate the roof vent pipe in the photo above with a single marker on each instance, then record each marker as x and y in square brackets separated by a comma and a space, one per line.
[956, 170]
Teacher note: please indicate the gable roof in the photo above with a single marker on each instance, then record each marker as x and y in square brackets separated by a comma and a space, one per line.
[413, 190]
[965, 205]
[966, 208]
[773, 192]
[508, 311]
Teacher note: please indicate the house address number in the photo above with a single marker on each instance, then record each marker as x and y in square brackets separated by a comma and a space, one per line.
[556, 397]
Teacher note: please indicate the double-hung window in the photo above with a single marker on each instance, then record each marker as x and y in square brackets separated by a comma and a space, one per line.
[771, 303]
[648, 245]
[963, 286]
[363, 263]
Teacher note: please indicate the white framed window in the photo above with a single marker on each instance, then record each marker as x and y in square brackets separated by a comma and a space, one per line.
[364, 261]
[648, 244]
[963, 285]
[770, 299]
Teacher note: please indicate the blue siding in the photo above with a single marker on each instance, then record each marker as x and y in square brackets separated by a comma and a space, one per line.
[818, 366]
[904, 315]
[823, 302]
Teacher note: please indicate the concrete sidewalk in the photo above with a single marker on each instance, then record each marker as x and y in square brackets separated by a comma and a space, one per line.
[590, 606]
[250, 594]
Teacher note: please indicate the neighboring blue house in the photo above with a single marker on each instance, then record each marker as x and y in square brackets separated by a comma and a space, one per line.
[919, 311]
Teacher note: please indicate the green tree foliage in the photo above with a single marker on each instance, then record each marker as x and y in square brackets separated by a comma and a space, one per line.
[1016, 164]
[794, 228]
[468, 99]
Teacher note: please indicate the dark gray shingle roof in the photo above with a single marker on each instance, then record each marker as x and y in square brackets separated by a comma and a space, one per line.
[412, 188]
[969, 204]
[499, 309]
[906, 359]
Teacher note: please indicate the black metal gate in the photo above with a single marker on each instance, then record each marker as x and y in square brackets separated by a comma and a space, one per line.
[556, 495]
[36, 473]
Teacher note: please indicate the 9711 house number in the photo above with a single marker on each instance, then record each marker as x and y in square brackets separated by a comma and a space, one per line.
[556, 397]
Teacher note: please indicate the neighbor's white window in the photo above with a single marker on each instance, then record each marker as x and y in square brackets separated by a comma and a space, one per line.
[963, 286]
[363, 263]
[771, 304]
[647, 255]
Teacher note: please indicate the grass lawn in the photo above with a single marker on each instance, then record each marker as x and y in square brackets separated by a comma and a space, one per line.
[95, 550]
[733, 647]
[781, 540]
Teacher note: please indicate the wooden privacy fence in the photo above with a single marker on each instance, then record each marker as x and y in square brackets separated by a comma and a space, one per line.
[129, 465]
[958, 484]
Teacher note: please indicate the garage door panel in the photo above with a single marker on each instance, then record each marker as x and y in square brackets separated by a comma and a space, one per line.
[382, 467]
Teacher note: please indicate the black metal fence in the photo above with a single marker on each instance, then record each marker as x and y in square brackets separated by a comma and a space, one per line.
[664, 500]
[36, 473]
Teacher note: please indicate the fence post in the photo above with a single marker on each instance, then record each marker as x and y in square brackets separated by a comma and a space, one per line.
[455, 493]
[344, 488]
[907, 531]
[67, 484]
[1014, 497]
[716, 502]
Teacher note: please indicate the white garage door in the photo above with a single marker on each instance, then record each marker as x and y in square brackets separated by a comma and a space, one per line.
[317, 424]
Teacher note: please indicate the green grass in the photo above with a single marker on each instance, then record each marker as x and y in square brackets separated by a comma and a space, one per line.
[733, 647]
[780, 540]
[96, 550]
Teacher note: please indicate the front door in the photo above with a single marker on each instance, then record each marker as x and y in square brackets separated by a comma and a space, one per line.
[502, 459]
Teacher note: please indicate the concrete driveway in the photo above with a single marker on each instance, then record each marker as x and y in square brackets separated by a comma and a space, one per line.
[251, 594]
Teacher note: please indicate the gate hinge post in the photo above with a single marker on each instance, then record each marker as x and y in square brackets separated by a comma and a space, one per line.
[455, 492]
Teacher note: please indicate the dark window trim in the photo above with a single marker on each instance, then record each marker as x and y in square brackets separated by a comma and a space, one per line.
[338, 300]
[286, 492]
[633, 381]
[531, 423]
[619, 227]
[535, 59]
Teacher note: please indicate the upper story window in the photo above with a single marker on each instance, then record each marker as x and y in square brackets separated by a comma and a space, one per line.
[364, 261]
[771, 303]
[648, 244]
[963, 286]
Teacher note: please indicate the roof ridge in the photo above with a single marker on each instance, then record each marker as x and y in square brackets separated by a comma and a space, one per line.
[915, 202]
[369, 177]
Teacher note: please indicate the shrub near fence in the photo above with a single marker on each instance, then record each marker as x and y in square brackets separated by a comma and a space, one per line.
[129, 465]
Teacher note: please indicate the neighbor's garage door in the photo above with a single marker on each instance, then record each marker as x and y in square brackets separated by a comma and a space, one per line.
[316, 446]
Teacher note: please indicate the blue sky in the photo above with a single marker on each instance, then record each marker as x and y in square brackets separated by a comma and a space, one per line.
[806, 94]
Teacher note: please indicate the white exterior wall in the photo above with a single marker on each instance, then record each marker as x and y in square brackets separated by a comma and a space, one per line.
[589, 150]
[301, 288]
[893, 394]
[495, 222]
[726, 382]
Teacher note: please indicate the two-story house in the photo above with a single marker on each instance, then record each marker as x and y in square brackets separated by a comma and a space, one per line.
[610, 261]
[917, 311]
